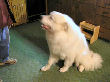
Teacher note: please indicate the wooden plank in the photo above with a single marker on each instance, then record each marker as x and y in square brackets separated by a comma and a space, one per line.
[103, 11]
[103, 3]
[63, 6]
[86, 12]
[104, 33]
[88, 1]
[102, 21]
[87, 35]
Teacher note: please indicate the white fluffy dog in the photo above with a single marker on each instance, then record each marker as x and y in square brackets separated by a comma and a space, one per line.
[67, 42]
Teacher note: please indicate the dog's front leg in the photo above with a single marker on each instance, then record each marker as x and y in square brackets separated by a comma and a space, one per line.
[52, 60]
[68, 62]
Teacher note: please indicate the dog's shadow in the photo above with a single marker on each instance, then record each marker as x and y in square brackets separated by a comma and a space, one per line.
[34, 34]
[60, 63]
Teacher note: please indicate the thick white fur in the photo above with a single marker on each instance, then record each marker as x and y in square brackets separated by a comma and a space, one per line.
[67, 42]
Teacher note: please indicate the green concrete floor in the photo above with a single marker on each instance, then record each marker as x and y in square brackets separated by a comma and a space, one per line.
[29, 47]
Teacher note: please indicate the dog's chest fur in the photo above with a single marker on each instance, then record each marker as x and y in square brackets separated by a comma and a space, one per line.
[57, 44]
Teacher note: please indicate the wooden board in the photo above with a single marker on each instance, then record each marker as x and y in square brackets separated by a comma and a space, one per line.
[103, 21]
[87, 1]
[104, 33]
[86, 13]
[103, 3]
[103, 11]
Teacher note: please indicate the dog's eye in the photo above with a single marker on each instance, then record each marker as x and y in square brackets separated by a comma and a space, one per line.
[51, 17]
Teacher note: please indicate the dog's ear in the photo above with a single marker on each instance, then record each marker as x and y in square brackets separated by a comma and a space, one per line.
[65, 25]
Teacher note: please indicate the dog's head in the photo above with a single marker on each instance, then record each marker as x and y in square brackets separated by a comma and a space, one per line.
[55, 21]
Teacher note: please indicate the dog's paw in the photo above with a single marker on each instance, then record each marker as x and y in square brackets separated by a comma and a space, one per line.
[63, 69]
[45, 68]
[81, 68]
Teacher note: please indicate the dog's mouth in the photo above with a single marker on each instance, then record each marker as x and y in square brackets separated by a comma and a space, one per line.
[45, 26]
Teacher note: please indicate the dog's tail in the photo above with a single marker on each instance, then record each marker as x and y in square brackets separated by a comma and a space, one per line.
[94, 61]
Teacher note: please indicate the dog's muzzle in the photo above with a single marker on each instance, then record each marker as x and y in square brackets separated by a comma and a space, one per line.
[45, 26]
